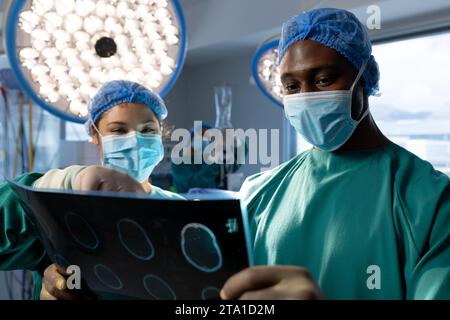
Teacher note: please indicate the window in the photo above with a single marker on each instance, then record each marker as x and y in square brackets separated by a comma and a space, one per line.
[414, 107]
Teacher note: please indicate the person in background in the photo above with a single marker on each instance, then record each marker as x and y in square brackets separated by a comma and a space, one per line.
[125, 121]
[356, 216]
[188, 174]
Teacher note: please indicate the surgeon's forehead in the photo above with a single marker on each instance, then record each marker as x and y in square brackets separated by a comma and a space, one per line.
[306, 55]
[130, 112]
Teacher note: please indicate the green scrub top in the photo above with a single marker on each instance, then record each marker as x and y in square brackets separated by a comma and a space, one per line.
[19, 246]
[370, 224]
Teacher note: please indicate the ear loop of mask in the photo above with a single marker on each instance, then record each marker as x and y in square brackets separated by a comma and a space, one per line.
[102, 161]
[358, 76]
[95, 127]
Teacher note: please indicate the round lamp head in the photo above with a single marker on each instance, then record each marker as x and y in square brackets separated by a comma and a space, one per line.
[266, 72]
[63, 51]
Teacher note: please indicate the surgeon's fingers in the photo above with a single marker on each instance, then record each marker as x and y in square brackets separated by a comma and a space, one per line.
[248, 280]
[104, 179]
[87, 179]
[271, 282]
[121, 183]
[45, 295]
[90, 180]
[107, 185]
[124, 183]
[55, 284]
[130, 187]
[53, 277]
[263, 294]
[298, 288]
[61, 270]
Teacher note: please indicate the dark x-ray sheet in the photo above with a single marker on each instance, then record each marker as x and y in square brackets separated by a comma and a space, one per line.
[141, 247]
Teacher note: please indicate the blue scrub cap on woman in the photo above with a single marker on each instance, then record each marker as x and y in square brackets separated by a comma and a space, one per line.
[117, 92]
[337, 29]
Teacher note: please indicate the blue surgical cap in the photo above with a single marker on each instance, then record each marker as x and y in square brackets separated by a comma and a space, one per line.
[117, 92]
[337, 29]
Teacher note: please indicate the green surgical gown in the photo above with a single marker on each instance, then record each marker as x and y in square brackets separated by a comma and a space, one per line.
[19, 246]
[371, 224]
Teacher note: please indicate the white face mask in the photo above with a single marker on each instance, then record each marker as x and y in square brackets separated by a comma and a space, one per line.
[324, 118]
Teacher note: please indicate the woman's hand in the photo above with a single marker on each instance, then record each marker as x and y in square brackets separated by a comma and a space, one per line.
[99, 178]
[54, 287]
[272, 283]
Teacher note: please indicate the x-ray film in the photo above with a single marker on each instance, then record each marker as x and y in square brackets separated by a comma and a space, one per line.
[137, 246]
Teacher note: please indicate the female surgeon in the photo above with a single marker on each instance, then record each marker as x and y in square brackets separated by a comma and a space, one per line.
[125, 121]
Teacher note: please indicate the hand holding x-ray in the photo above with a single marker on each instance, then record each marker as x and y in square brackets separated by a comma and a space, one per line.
[99, 178]
[54, 286]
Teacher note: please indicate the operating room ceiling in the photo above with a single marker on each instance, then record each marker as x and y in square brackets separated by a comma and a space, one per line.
[218, 29]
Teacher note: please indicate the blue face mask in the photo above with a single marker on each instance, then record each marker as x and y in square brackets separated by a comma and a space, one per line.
[323, 118]
[135, 154]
